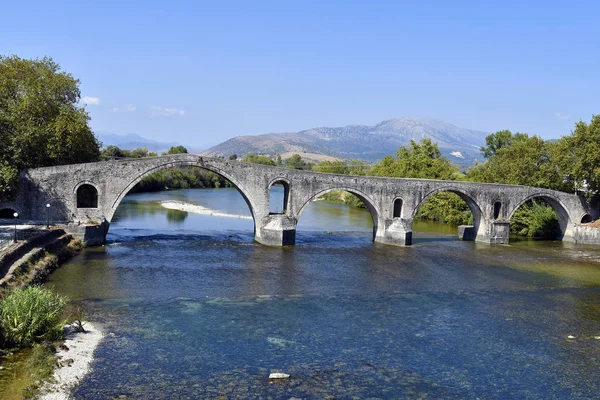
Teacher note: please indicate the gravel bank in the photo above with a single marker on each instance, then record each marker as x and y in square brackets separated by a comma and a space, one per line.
[196, 209]
[74, 359]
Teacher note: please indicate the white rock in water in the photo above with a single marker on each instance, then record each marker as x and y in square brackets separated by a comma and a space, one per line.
[570, 337]
[278, 375]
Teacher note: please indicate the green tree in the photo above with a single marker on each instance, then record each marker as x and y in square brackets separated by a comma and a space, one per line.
[578, 155]
[41, 121]
[528, 161]
[253, 158]
[233, 157]
[296, 162]
[113, 152]
[418, 160]
[424, 160]
[177, 150]
[140, 152]
[500, 139]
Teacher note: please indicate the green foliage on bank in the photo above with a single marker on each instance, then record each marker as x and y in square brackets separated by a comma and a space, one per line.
[114, 153]
[342, 197]
[181, 178]
[578, 156]
[535, 219]
[296, 162]
[446, 207]
[31, 315]
[256, 159]
[41, 120]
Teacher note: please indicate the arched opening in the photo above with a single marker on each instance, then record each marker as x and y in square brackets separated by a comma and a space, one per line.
[279, 193]
[441, 213]
[182, 200]
[337, 212]
[497, 209]
[397, 208]
[539, 217]
[7, 213]
[586, 219]
[87, 196]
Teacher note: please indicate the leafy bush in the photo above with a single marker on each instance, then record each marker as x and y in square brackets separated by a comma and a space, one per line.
[31, 314]
[343, 197]
[446, 207]
[535, 219]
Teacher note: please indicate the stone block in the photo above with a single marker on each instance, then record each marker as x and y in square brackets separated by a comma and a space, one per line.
[466, 232]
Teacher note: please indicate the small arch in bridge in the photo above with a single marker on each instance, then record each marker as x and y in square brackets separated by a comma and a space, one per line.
[397, 208]
[497, 209]
[87, 196]
[278, 204]
[7, 213]
[586, 219]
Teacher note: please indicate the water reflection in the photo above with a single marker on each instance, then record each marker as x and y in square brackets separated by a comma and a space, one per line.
[176, 217]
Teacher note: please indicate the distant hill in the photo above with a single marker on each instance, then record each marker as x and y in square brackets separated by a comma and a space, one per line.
[369, 143]
[132, 141]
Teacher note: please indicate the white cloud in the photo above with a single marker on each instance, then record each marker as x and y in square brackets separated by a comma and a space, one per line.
[127, 108]
[457, 154]
[166, 112]
[91, 101]
[561, 115]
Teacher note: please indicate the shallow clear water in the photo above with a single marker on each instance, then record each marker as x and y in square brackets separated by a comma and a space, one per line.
[195, 309]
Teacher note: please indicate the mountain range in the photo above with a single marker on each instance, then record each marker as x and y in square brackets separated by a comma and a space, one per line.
[361, 142]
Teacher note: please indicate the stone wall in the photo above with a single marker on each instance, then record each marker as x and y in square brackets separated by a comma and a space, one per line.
[586, 234]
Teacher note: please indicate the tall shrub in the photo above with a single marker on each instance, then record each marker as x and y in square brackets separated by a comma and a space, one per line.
[31, 314]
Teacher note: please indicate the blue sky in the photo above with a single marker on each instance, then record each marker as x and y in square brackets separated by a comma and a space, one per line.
[202, 72]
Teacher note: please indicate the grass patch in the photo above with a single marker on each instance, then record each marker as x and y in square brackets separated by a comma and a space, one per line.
[31, 315]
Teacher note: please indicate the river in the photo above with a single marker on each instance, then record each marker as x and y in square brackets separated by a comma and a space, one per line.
[193, 308]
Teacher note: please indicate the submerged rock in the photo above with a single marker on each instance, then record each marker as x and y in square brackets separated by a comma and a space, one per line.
[278, 375]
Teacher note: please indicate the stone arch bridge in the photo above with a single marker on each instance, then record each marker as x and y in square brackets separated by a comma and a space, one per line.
[83, 194]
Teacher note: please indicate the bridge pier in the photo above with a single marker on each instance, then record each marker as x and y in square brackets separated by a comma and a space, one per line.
[397, 231]
[494, 232]
[90, 234]
[276, 230]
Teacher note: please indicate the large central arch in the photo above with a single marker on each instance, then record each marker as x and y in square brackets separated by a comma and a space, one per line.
[367, 201]
[178, 164]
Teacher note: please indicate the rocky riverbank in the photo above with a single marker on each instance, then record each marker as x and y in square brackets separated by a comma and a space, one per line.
[31, 260]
